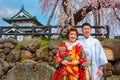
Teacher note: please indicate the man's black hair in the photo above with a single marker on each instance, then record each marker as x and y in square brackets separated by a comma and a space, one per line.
[85, 24]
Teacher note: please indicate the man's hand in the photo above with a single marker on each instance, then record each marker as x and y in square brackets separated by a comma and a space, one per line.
[100, 71]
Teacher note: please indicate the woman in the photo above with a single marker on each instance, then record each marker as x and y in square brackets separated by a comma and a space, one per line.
[70, 59]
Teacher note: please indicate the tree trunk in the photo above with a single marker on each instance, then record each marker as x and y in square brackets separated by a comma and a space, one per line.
[49, 20]
[96, 17]
[52, 13]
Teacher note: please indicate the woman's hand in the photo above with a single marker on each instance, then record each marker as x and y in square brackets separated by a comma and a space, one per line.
[74, 63]
[65, 62]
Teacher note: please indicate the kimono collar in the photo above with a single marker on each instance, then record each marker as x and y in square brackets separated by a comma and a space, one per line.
[69, 44]
[87, 38]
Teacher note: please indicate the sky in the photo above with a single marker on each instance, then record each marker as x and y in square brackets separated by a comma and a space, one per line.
[9, 8]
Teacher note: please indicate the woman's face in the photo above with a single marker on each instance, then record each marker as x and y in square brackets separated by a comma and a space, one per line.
[72, 36]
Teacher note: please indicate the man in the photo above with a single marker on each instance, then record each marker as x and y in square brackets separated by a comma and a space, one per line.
[94, 52]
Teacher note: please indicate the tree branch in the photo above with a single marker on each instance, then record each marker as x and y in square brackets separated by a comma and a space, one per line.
[116, 14]
[81, 13]
[52, 13]
[64, 2]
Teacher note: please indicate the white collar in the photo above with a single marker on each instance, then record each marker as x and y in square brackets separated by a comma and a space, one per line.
[69, 45]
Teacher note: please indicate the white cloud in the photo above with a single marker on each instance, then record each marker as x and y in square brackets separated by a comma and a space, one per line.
[7, 12]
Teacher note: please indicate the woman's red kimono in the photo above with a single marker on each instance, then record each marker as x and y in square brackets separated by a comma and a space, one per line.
[70, 53]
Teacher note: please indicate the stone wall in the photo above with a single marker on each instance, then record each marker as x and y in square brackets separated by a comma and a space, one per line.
[112, 50]
[30, 62]
[33, 62]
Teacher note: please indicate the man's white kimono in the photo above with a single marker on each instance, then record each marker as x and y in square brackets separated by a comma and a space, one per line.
[94, 52]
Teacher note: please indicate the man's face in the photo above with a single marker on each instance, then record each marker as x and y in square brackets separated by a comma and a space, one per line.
[86, 31]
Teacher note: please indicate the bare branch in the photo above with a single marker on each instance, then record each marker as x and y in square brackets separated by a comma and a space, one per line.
[52, 13]
[64, 4]
[116, 14]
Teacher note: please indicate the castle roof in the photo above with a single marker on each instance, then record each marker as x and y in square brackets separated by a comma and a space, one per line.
[21, 16]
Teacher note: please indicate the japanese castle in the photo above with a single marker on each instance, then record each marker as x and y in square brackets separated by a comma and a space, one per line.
[23, 19]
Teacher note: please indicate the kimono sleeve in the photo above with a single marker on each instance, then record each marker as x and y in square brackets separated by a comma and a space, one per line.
[58, 58]
[101, 54]
[83, 59]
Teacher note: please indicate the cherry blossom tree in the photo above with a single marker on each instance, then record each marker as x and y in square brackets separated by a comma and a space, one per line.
[103, 12]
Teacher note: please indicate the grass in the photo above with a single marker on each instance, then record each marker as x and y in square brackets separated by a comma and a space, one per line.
[111, 39]
[107, 39]
[18, 45]
[44, 42]
[62, 38]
